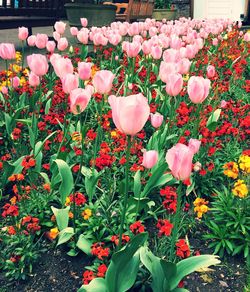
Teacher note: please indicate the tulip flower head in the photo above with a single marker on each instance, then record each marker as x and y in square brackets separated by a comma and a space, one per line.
[129, 113]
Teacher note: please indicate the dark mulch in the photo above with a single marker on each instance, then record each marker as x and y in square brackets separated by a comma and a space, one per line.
[229, 276]
[55, 271]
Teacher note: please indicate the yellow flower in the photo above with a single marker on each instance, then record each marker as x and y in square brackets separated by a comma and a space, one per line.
[185, 77]
[86, 214]
[200, 207]
[53, 233]
[231, 169]
[67, 201]
[76, 136]
[240, 189]
[244, 163]
[113, 134]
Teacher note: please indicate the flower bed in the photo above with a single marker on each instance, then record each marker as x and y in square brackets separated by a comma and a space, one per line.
[119, 153]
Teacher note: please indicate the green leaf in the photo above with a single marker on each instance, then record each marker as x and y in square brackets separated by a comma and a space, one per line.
[65, 235]
[169, 270]
[41, 144]
[67, 179]
[137, 184]
[7, 119]
[62, 217]
[153, 264]
[122, 271]
[96, 285]
[190, 265]
[213, 120]
[158, 178]
[84, 244]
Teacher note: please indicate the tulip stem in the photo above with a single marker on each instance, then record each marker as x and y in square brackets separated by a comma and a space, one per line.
[126, 191]
[176, 222]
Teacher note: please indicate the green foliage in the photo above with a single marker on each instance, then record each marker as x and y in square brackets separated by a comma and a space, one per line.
[229, 224]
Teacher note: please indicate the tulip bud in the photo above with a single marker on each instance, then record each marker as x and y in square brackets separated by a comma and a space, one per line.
[156, 120]
[150, 158]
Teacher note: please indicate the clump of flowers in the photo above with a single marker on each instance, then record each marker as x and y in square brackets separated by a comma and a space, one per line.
[86, 214]
[244, 163]
[231, 169]
[165, 227]
[200, 206]
[240, 189]
[242, 169]
[98, 250]
[137, 227]
[125, 239]
[88, 276]
[183, 250]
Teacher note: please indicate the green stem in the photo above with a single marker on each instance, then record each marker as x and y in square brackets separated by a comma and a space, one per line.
[79, 172]
[125, 202]
[176, 222]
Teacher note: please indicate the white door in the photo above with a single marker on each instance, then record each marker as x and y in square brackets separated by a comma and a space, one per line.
[219, 9]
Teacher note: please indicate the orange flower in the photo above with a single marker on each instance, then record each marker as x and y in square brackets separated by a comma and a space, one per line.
[46, 187]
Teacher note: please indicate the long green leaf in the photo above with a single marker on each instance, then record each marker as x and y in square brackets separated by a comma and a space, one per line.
[190, 265]
[62, 217]
[122, 271]
[96, 285]
[67, 179]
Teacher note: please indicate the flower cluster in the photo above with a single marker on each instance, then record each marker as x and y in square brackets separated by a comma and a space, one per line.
[200, 207]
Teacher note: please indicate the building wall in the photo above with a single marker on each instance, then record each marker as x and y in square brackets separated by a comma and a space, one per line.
[183, 7]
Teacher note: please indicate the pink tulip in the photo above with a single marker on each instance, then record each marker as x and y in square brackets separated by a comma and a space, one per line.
[74, 31]
[62, 67]
[156, 120]
[53, 58]
[174, 84]
[223, 104]
[129, 113]
[210, 71]
[23, 33]
[79, 99]
[60, 27]
[70, 82]
[150, 158]
[38, 64]
[156, 52]
[84, 70]
[4, 90]
[146, 47]
[194, 144]
[34, 80]
[31, 40]
[56, 36]
[171, 55]
[15, 82]
[183, 66]
[133, 49]
[50, 46]
[103, 81]
[84, 22]
[166, 69]
[62, 44]
[179, 159]
[215, 42]
[83, 36]
[7, 51]
[41, 40]
[247, 37]
[198, 89]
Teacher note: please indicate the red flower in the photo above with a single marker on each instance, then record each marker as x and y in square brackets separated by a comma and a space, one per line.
[88, 276]
[137, 227]
[164, 226]
[183, 250]
[101, 271]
